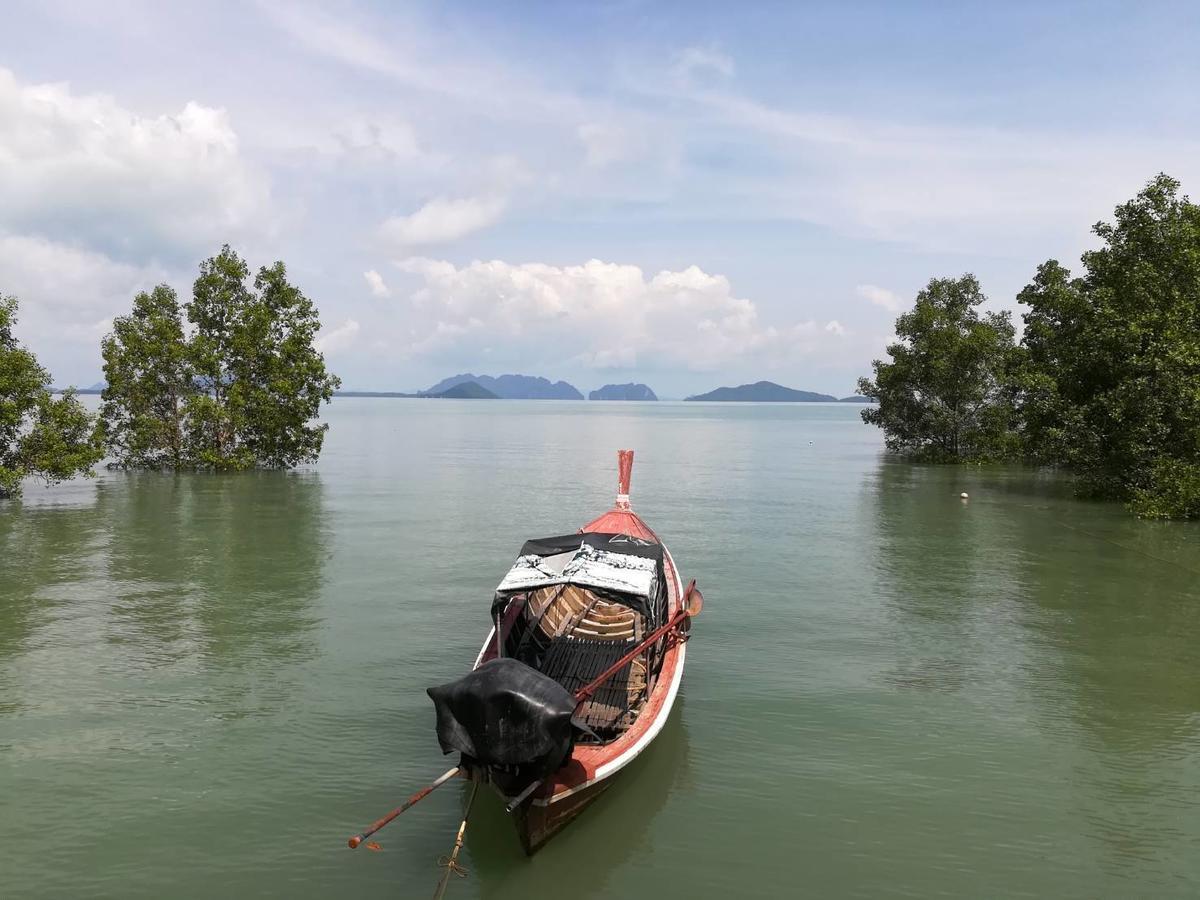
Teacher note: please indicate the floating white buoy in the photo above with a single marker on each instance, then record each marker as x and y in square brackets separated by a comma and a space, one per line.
[964, 495]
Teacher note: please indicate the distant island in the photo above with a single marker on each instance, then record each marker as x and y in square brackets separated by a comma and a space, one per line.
[623, 392]
[466, 390]
[510, 387]
[764, 392]
[96, 388]
[532, 387]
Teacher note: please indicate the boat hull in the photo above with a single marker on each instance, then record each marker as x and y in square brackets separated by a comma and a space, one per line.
[590, 768]
[537, 823]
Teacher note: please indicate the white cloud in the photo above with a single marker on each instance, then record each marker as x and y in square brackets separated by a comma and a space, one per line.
[835, 327]
[68, 297]
[89, 333]
[387, 139]
[601, 315]
[65, 287]
[442, 220]
[337, 339]
[376, 283]
[702, 59]
[604, 143]
[81, 167]
[880, 297]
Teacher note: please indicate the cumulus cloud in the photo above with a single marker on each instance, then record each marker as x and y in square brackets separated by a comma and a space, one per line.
[376, 283]
[68, 298]
[66, 287]
[442, 220]
[81, 167]
[337, 339]
[880, 297]
[601, 315]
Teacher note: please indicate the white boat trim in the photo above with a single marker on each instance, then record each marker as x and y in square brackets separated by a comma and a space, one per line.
[482, 650]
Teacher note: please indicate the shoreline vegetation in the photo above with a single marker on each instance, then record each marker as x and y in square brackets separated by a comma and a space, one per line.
[1104, 383]
[239, 388]
[40, 437]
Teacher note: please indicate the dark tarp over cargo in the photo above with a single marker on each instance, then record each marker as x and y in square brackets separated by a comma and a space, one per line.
[613, 543]
[506, 713]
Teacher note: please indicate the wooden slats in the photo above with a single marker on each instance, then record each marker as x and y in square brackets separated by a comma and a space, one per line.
[576, 610]
[584, 634]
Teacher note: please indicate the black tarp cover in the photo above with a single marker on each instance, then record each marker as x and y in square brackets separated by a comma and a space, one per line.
[506, 713]
[613, 543]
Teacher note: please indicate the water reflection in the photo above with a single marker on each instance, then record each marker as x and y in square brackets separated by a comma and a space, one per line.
[1118, 623]
[1071, 618]
[927, 559]
[1126, 631]
[1101, 609]
[49, 554]
[224, 567]
[615, 830]
[172, 572]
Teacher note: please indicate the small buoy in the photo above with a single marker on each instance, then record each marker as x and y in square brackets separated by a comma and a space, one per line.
[964, 495]
[810, 442]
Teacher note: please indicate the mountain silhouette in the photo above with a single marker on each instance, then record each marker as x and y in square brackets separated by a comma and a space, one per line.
[512, 387]
[764, 392]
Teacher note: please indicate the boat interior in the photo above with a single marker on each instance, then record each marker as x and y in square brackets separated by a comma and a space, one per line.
[573, 634]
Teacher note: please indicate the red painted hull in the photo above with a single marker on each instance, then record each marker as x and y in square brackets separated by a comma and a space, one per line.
[590, 768]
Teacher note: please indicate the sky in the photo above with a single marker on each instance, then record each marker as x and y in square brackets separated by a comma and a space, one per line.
[683, 194]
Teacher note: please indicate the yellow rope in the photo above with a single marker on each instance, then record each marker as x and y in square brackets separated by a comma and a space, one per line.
[450, 863]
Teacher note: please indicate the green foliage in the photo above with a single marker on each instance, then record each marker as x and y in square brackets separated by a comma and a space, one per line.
[241, 391]
[1110, 382]
[39, 436]
[944, 395]
[285, 377]
[221, 305]
[149, 381]
[1172, 491]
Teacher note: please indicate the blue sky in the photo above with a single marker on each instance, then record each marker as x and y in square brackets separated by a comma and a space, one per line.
[682, 194]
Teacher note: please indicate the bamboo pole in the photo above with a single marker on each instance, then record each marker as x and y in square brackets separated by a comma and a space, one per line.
[415, 798]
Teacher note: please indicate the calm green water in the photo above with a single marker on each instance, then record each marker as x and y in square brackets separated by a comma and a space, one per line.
[207, 683]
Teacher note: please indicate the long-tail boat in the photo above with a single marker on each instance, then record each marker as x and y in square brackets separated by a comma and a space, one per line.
[577, 675]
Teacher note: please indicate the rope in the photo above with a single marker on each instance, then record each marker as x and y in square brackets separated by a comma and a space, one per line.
[1128, 548]
[446, 862]
[450, 863]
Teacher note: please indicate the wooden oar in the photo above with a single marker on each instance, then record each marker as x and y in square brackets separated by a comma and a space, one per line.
[451, 863]
[414, 799]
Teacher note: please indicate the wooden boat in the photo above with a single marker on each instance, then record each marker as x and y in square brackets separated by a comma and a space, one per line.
[576, 677]
[607, 599]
